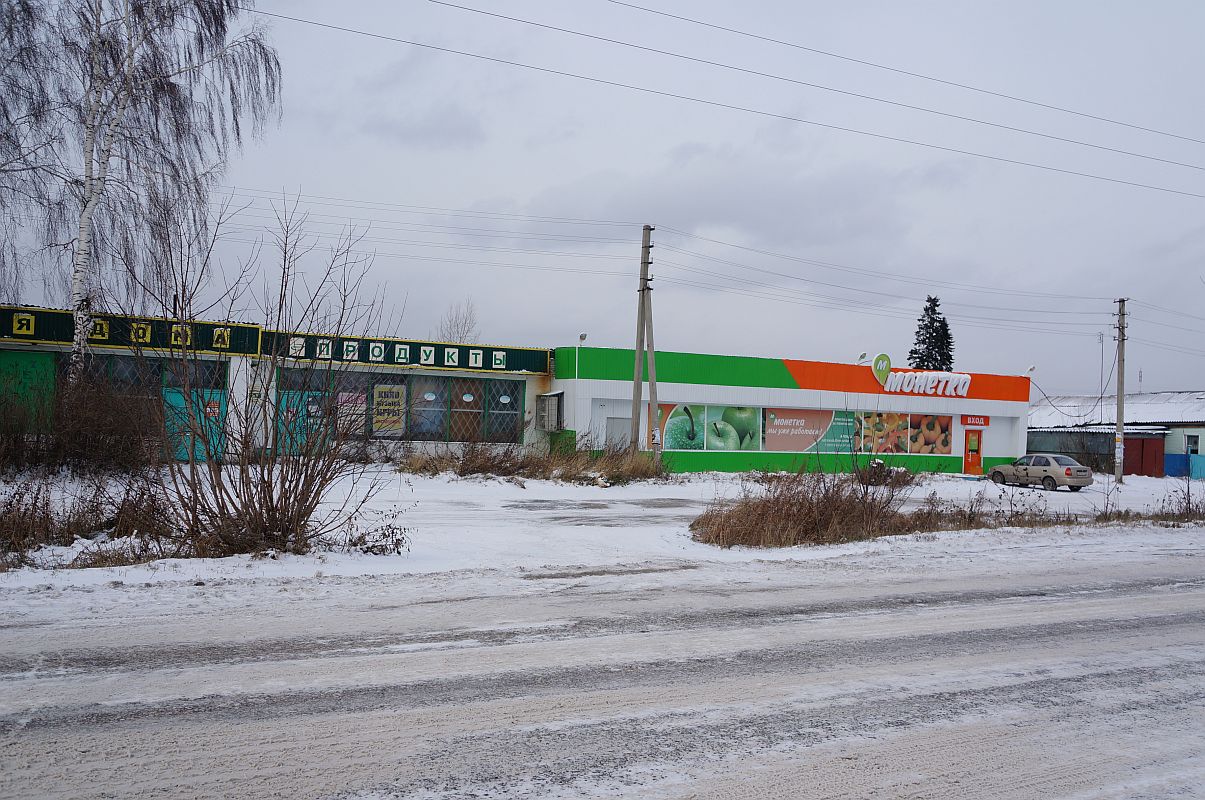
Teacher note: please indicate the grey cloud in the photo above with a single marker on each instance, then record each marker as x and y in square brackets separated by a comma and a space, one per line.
[443, 127]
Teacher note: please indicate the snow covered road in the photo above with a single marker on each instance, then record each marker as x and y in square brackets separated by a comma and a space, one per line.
[1059, 663]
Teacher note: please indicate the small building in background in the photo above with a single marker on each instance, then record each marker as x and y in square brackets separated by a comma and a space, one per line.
[1163, 431]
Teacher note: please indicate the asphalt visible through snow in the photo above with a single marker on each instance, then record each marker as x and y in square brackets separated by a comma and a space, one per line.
[1052, 664]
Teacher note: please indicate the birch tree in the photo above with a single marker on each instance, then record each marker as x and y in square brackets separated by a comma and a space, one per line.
[147, 99]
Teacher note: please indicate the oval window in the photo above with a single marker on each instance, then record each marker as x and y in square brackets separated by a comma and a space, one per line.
[468, 398]
[429, 397]
[504, 400]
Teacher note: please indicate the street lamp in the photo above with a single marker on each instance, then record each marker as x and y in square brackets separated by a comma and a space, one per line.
[861, 359]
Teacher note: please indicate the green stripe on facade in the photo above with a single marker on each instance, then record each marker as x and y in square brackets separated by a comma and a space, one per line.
[688, 461]
[610, 364]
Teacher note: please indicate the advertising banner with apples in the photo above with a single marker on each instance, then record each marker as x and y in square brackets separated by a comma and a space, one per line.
[750, 429]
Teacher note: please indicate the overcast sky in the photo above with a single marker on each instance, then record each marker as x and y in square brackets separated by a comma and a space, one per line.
[385, 127]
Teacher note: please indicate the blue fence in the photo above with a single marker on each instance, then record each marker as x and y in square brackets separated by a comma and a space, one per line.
[1179, 465]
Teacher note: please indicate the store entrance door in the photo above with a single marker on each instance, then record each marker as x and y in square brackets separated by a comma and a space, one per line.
[972, 453]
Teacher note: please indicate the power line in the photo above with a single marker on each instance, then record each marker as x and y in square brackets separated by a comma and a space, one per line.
[1168, 310]
[375, 205]
[899, 71]
[822, 87]
[868, 272]
[500, 265]
[457, 230]
[858, 303]
[1165, 324]
[860, 309]
[1174, 348]
[734, 107]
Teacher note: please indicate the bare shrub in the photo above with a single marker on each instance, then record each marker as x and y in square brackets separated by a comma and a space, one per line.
[52, 509]
[90, 426]
[264, 477]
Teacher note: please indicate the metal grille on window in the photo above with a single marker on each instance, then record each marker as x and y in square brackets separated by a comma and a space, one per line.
[466, 410]
[503, 411]
[351, 403]
[428, 408]
[387, 401]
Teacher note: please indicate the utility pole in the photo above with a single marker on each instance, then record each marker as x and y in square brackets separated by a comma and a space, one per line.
[648, 341]
[646, 245]
[1119, 442]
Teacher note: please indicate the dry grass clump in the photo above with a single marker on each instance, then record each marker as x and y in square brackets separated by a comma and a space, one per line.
[806, 508]
[612, 465]
[49, 509]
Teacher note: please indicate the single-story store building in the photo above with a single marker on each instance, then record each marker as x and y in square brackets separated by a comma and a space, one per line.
[715, 412]
[736, 413]
[1163, 431]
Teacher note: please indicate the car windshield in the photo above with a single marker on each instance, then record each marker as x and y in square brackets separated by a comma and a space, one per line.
[1066, 461]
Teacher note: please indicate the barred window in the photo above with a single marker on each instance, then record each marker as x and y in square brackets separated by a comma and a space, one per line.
[428, 408]
[466, 405]
[504, 411]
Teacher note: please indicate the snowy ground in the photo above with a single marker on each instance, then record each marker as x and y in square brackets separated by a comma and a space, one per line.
[572, 642]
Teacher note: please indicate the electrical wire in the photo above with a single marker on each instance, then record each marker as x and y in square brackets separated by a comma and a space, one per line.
[500, 265]
[1174, 348]
[861, 309]
[1168, 310]
[1165, 324]
[401, 208]
[899, 71]
[735, 107]
[822, 87]
[929, 282]
[859, 303]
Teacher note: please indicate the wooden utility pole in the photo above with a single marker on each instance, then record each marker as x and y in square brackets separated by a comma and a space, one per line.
[646, 245]
[1119, 442]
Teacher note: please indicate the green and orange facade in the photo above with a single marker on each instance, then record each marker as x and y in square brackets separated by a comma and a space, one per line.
[736, 413]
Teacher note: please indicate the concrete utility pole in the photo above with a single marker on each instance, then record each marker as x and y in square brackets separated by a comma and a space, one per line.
[646, 245]
[1119, 442]
[648, 337]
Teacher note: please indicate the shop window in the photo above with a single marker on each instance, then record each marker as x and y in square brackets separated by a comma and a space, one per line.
[194, 374]
[503, 411]
[467, 403]
[304, 379]
[351, 390]
[388, 400]
[428, 408]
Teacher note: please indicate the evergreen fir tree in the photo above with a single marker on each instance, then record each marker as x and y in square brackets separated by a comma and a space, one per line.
[934, 348]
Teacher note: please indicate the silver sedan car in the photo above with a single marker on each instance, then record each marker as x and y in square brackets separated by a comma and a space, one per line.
[1049, 469]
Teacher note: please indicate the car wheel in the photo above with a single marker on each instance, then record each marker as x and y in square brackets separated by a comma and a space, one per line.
[998, 477]
[1075, 488]
[1049, 485]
